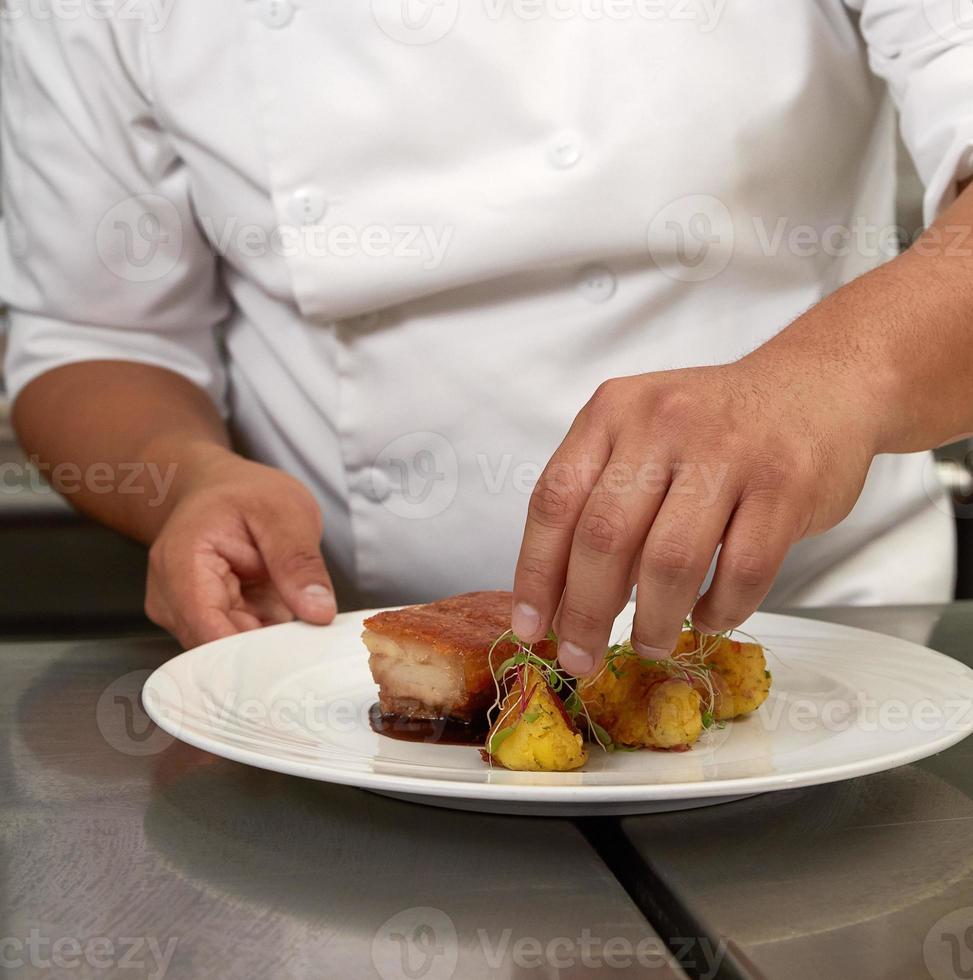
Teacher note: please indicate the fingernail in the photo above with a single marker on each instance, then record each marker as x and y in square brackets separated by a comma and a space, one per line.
[575, 660]
[320, 599]
[526, 621]
[650, 653]
[705, 630]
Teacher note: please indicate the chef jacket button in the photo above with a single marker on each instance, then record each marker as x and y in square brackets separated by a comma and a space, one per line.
[307, 206]
[564, 150]
[597, 283]
[375, 485]
[276, 13]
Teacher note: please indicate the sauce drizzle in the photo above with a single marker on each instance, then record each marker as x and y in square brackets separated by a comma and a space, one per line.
[437, 731]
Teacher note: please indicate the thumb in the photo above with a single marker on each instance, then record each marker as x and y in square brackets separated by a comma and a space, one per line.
[290, 544]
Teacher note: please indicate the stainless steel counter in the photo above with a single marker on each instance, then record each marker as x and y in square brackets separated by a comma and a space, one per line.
[123, 853]
[861, 879]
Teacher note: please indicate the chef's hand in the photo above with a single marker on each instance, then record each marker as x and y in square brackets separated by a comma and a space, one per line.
[656, 472]
[240, 549]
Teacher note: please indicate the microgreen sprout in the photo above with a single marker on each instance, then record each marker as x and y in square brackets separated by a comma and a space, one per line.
[689, 665]
[556, 677]
[692, 666]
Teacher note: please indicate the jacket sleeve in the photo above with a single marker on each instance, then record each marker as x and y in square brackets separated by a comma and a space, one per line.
[924, 51]
[100, 256]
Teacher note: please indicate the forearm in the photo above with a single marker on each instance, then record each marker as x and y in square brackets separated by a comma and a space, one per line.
[122, 441]
[898, 342]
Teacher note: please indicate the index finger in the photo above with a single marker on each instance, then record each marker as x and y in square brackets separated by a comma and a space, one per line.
[552, 515]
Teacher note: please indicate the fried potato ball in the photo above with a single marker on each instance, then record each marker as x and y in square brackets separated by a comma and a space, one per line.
[533, 732]
[741, 680]
[642, 705]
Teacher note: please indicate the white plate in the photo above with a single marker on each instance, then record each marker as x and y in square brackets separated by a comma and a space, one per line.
[295, 699]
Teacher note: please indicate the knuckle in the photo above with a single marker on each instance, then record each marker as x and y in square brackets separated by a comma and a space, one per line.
[653, 639]
[533, 570]
[285, 496]
[155, 611]
[301, 561]
[770, 471]
[604, 529]
[156, 558]
[604, 403]
[577, 620]
[669, 562]
[747, 570]
[604, 393]
[550, 505]
[675, 404]
[725, 616]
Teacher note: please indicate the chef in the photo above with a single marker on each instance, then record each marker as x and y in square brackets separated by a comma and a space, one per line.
[325, 301]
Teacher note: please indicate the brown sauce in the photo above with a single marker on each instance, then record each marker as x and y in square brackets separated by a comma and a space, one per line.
[438, 731]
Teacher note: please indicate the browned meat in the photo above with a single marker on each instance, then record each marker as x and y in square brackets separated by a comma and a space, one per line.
[431, 661]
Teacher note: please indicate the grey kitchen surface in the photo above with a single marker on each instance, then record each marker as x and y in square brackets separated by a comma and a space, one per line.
[125, 853]
[872, 877]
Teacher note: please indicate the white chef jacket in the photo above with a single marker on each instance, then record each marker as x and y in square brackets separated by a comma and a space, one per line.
[401, 242]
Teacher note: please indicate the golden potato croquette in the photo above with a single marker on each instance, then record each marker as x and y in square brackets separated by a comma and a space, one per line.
[533, 732]
[642, 705]
[741, 680]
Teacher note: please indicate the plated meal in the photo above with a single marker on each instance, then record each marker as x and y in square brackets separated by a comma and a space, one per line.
[449, 683]
[453, 672]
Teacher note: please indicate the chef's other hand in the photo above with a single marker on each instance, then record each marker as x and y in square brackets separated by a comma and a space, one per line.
[240, 549]
[657, 471]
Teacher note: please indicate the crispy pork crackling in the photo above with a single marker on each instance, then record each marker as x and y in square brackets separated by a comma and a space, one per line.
[432, 661]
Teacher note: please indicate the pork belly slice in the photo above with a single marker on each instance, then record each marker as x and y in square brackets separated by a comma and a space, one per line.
[432, 661]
